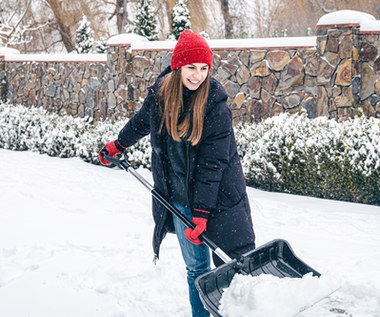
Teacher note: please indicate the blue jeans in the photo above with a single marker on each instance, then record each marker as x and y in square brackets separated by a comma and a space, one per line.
[197, 260]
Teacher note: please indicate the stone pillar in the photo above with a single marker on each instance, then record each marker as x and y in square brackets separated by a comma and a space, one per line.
[4, 77]
[349, 68]
[337, 70]
[368, 94]
[120, 82]
[3, 80]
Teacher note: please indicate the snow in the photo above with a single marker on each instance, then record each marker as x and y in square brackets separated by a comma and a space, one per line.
[8, 51]
[75, 240]
[280, 42]
[136, 44]
[90, 57]
[366, 21]
[126, 38]
[344, 17]
[248, 295]
[369, 25]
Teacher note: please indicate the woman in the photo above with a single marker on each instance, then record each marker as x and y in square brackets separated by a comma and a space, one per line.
[194, 160]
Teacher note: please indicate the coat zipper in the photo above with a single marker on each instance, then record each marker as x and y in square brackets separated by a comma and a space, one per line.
[188, 172]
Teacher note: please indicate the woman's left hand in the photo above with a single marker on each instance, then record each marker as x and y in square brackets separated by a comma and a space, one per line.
[193, 234]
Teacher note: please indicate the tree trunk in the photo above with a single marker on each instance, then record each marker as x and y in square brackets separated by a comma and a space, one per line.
[120, 12]
[63, 27]
[227, 18]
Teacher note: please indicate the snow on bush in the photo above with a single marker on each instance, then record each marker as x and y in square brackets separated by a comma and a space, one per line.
[316, 157]
[287, 153]
[34, 129]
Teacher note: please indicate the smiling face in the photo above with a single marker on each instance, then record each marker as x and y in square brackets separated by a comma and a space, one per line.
[193, 75]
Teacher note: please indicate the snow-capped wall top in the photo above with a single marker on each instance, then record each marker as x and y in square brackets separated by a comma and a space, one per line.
[370, 25]
[8, 51]
[366, 21]
[263, 43]
[140, 43]
[127, 38]
[91, 57]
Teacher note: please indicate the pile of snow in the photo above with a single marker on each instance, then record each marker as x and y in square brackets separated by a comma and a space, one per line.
[267, 295]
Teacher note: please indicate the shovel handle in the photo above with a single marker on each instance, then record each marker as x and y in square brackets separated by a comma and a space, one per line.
[125, 165]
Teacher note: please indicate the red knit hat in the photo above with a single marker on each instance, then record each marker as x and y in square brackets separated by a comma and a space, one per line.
[191, 48]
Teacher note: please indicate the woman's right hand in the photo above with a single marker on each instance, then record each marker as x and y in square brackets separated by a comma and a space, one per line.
[111, 149]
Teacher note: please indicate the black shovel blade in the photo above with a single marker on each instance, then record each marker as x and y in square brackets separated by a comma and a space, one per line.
[275, 258]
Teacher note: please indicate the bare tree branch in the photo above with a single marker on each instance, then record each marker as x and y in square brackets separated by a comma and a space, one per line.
[16, 34]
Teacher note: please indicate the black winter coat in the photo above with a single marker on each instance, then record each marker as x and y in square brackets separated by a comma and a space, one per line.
[215, 177]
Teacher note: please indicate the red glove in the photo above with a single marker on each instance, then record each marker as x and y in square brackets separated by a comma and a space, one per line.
[111, 149]
[200, 227]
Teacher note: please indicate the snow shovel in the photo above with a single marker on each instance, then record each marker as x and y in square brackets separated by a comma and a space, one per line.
[275, 258]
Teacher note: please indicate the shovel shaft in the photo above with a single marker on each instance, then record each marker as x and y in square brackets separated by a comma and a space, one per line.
[205, 239]
[124, 164]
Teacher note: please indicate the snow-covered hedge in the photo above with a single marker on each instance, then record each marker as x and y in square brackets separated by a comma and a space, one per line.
[294, 154]
[318, 157]
[34, 129]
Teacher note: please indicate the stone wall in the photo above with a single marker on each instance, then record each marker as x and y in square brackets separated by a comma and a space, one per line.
[78, 88]
[260, 83]
[334, 74]
[131, 72]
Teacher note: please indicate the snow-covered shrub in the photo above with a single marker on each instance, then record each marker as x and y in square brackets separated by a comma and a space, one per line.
[316, 157]
[287, 153]
[34, 129]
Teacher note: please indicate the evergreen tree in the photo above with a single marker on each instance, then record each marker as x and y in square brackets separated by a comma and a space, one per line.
[84, 38]
[101, 46]
[180, 19]
[129, 28]
[146, 24]
[205, 35]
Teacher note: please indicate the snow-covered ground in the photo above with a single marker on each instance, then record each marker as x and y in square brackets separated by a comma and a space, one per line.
[75, 240]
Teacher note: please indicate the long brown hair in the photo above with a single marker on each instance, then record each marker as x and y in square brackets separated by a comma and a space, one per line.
[171, 102]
